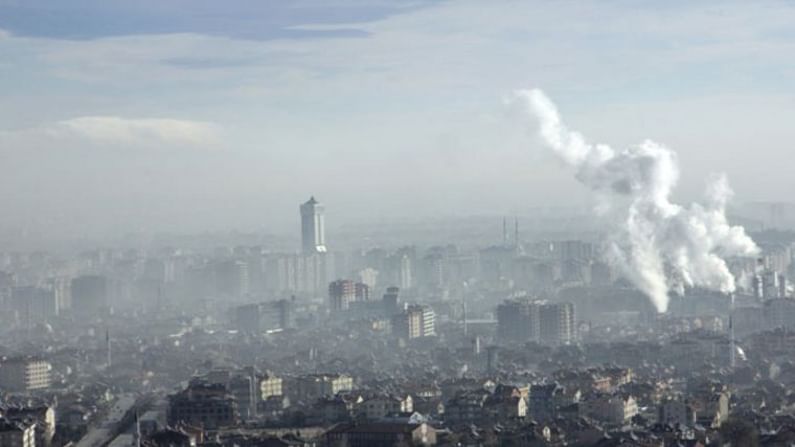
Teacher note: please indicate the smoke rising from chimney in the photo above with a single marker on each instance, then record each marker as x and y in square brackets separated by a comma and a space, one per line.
[658, 245]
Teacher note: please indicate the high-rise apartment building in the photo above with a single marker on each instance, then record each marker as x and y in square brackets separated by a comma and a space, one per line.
[231, 278]
[307, 273]
[557, 323]
[415, 321]
[518, 321]
[263, 317]
[343, 292]
[525, 320]
[33, 304]
[313, 238]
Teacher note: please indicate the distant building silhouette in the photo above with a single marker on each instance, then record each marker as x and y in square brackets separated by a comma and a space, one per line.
[524, 320]
[89, 294]
[313, 238]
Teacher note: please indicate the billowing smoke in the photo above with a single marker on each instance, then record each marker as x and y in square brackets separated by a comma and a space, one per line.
[658, 245]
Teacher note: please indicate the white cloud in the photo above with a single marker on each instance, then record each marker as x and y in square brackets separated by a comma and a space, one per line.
[436, 48]
[147, 131]
[109, 132]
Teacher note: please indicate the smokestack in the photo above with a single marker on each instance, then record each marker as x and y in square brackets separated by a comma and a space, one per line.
[660, 246]
[504, 232]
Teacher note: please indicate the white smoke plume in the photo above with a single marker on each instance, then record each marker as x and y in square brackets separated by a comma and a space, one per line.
[658, 245]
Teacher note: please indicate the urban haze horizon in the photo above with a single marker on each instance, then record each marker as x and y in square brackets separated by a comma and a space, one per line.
[395, 223]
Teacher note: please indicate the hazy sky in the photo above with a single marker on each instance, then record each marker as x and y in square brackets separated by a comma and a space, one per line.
[186, 115]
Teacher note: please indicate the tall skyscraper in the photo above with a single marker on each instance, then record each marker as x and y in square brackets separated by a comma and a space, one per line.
[313, 236]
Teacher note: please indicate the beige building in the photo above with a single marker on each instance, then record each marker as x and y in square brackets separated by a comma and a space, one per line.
[270, 386]
[24, 374]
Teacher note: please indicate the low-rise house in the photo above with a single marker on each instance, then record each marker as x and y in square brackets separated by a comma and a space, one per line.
[332, 410]
[610, 408]
[377, 407]
[378, 434]
[545, 400]
[676, 411]
[465, 407]
[502, 408]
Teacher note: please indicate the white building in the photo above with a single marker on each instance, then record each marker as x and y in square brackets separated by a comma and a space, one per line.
[270, 386]
[313, 237]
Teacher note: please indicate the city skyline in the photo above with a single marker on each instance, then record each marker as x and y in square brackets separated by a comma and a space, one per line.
[397, 223]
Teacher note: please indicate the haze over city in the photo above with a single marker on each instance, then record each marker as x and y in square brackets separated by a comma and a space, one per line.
[356, 223]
